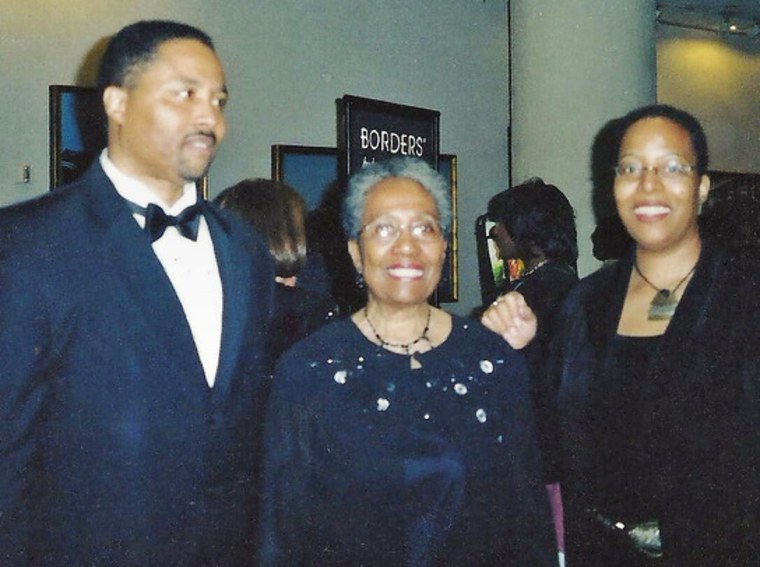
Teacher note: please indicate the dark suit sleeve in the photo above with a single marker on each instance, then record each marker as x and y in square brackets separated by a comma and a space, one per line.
[26, 352]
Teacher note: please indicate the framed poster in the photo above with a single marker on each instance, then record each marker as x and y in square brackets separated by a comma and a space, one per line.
[77, 131]
[448, 287]
[310, 170]
[313, 172]
[373, 129]
[492, 271]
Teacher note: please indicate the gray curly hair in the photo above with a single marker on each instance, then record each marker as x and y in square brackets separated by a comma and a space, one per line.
[370, 175]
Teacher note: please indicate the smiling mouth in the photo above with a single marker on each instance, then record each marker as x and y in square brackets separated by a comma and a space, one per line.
[405, 273]
[651, 210]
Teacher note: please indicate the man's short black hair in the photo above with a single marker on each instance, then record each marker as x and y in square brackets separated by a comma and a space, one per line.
[136, 44]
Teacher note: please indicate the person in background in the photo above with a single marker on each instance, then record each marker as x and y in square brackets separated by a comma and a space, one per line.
[731, 214]
[402, 435]
[658, 361]
[610, 240]
[535, 222]
[132, 322]
[278, 212]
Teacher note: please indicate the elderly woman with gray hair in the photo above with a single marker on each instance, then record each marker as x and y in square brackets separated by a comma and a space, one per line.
[404, 434]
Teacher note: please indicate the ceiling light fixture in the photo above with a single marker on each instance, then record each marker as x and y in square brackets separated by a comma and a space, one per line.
[726, 22]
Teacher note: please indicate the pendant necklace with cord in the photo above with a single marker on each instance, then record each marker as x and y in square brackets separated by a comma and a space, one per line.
[405, 347]
[663, 306]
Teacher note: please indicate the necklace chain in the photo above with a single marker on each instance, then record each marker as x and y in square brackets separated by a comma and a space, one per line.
[675, 289]
[535, 268]
[406, 347]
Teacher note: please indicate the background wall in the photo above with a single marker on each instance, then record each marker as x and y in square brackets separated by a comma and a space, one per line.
[576, 64]
[287, 62]
[717, 78]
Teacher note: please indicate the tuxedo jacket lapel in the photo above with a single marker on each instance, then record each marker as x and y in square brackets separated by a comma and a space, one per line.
[141, 277]
[237, 282]
[126, 250]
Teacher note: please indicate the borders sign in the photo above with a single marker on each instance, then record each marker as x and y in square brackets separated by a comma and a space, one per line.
[371, 130]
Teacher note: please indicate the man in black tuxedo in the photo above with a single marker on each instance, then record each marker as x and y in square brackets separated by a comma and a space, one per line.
[132, 317]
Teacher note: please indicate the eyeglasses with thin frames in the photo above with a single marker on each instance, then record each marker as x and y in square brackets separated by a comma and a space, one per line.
[670, 170]
[386, 230]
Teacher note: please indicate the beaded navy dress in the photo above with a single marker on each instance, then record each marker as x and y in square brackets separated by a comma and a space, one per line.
[371, 462]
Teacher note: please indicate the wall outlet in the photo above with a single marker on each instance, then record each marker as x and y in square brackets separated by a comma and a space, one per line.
[24, 173]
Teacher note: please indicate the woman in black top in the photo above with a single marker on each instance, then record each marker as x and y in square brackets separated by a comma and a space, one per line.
[659, 367]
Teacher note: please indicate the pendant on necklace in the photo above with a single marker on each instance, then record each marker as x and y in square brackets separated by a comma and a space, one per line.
[663, 306]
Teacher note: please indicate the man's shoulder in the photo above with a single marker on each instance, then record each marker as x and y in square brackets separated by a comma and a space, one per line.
[35, 206]
[51, 217]
[57, 205]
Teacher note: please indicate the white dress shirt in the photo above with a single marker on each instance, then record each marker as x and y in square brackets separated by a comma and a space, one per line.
[190, 265]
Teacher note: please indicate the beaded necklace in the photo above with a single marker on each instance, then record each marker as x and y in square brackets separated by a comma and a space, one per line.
[405, 347]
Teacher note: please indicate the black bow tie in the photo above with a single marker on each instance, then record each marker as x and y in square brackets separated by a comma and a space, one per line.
[156, 220]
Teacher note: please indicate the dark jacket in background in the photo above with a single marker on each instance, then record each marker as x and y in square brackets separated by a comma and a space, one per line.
[298, 313]
[544, 291]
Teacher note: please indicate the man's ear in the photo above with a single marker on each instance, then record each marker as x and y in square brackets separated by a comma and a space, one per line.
[115, 103]
[356, 255]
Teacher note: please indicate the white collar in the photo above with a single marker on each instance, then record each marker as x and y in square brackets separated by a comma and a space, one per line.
[139, 193]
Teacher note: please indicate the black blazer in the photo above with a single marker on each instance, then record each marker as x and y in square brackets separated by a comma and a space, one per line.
[113, 449]
[706, 421]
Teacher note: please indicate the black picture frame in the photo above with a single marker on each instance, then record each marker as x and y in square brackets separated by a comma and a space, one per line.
[492, 271]
[313, 172]
[448, 287]
[77, 131]
[370, 130]
[310, 170]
